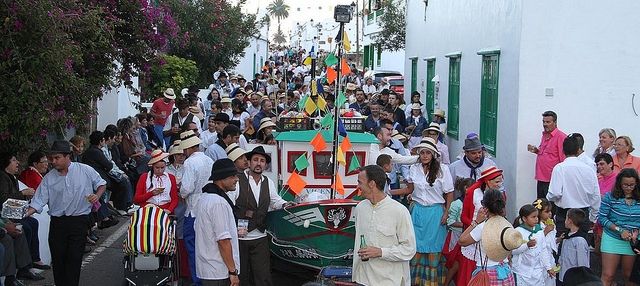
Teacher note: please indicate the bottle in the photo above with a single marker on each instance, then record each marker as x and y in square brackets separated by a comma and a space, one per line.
[363, 244]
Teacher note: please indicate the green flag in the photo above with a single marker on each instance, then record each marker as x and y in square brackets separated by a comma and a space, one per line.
[355, 163]
[302, 162]
[341, 99]
[331, 60]
[301, 103]
[327, 120]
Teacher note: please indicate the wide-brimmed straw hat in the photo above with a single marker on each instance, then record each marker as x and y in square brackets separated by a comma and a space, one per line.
[499, 238]
[429, 143]
[434, 127]
[490, 174]
[234, 151]
[266, 122]
[395, 134]
[416, 106]
[189, 139]
[157, 156]
[439, 112]
[175, 148]
[351, 86]
[169, 93]
[225, 99]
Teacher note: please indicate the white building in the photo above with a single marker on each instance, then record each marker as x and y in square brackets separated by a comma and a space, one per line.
[116, 103]
[374, 57]
[257, 52]
[501, 63]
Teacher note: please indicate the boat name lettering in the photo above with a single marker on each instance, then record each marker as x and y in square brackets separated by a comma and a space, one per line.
[300, 253]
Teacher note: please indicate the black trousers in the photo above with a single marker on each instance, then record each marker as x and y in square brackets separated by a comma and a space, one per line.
[543, 189]
[67, 238]
[255, 263]
[221, 282]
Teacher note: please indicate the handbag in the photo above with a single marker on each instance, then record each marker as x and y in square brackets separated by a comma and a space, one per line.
[482, 277]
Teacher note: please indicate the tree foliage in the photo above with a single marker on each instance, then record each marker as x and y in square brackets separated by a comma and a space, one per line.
[278, 9]
[393, 26]
[279, 37]
[213, 33]
[172, 72]
[59, 56]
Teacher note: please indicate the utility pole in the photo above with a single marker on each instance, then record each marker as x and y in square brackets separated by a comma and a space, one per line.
[356, 5]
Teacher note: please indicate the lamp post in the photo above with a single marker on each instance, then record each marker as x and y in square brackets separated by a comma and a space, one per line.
[355, 7]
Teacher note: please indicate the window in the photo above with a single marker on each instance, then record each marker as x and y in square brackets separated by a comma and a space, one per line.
[379, 56]
[361, 159]
[453, 120]
[292, 156]
[414, 74]
[371, 14]
[365, 61]
[489, 101]
[322, 167]
[430, 92]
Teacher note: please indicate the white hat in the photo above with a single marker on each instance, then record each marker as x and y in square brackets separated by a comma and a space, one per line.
[234, 151]
[189, 139]
[266, 122]
[351, 86]
[434, 127]
[499, 238]
[225, 99]
[439, 112]
[169, 93]
[399, 136]
[175, 148]
[157, 156]
[429, 143]
[416, 106]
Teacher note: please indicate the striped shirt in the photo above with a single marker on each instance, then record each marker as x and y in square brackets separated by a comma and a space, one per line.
[618, 212]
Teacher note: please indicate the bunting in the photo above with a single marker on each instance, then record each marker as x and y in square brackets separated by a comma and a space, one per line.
[327, 120]
[296, 183]
[341, 99]
[318, 142]
[322, 104]
[309, 106]
[302, 102]
[346, 144]
[331, 75]
[331, 60]
[301, 163]
[354, 164]
[344, 67]
[340, 156]
[338, 186]
[341, 130]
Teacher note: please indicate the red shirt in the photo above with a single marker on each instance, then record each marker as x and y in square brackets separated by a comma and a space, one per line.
[549, 154]
[606, 183]
[163, 109]
[31, 177]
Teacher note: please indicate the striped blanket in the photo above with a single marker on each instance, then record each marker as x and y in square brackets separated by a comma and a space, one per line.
[150, 232]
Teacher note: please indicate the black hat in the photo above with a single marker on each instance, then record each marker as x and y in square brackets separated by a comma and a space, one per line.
[581, 276]
[222, 169]
[193, 89]
[222, 117]
[385, 91]
[60, 147]
[259, 151]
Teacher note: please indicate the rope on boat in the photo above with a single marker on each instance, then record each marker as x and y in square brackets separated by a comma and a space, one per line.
[312, 224]
[288, 244]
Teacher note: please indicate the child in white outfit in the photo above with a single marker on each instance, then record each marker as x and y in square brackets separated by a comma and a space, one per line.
[529, 260]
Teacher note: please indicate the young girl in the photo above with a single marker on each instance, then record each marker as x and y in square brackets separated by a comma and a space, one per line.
[528, 260]
[451, 249]
[545, 216]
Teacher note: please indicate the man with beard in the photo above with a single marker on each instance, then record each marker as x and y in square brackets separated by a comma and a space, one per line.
[266, 110]
[360, 105]
[230, 134]
[373, 120]
[472, 163]
[218, 259]
[254, 196]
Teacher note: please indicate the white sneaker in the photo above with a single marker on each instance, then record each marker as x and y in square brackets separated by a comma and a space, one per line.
[132, 209]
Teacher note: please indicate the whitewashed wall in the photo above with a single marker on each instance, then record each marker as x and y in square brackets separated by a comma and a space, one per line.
[587, 52]
[115, 104]
[257, 47]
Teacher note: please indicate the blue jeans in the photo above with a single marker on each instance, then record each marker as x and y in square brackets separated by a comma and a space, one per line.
[158, 130]
[189, 235]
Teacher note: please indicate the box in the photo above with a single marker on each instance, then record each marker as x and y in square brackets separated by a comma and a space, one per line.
[353, 124]
[294, 123]
[14, 209]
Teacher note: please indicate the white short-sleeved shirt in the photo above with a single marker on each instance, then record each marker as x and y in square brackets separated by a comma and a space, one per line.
[425, 194]
[476, 234]
[243, 119]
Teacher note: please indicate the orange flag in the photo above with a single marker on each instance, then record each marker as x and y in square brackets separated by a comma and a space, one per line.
[338, 185]
[346, 144]
[345, 67]
[296, 183]
[318, 142]
[331, 75]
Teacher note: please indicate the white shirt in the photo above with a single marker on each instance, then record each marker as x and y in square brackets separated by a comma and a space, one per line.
[588, 160]
[425, 194]
[167, 125]
[275, 201]
[197, 169]
[162, 181]
[444, 154]
[476, 234]
[208, 137]
[386, 225]
[375, 151]
[531, 263]
[242, 118]
[369, 89]
[460, 170]
[575, 185]
[214, 222]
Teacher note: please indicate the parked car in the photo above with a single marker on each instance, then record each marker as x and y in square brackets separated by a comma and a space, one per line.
[396, 83]
[377, 75]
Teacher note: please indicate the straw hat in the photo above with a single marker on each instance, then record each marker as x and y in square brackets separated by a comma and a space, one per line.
[351, 86]
[266, 122]
[429, 143]
[434, 127]
[234, 151]
[175, 148]
[415, 106]
[225, 99]
[169, 93]
[399, 136]
[499, 238]
[490, 174]
[439, 112]
[189, 139]
[157, 156]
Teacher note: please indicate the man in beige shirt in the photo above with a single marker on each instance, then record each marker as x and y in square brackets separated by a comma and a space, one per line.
[388, 233]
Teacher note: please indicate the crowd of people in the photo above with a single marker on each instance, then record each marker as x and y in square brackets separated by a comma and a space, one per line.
[189, 156]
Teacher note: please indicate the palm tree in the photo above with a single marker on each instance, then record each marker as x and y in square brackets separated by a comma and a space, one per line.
[278, 9]
[279, 37]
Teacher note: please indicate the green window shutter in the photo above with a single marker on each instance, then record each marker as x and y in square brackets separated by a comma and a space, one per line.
[365, 61]
[453, 121]
[414, 74]
[379, 55]
[431, 72]
[254, 63]
[489, 102]
[371, 15]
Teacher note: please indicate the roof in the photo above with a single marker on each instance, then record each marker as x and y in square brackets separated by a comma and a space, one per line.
[307, 136]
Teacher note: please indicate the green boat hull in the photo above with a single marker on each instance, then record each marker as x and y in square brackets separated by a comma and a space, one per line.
[315, 234]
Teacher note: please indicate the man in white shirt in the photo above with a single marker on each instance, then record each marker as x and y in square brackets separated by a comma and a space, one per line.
[179, 121]
[573, 185]
[385, 226]
[583, 156]
[384, 138]
[210, 135]
[197, 169]
[254, 196]
[217, 251]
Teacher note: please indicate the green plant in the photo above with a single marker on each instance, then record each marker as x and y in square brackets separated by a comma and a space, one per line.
[393, 26]
[171, 71]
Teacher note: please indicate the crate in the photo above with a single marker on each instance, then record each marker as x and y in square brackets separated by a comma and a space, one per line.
[294, 123]
[353, 124]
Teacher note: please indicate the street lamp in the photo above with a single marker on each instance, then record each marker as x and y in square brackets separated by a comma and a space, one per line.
[355, 8]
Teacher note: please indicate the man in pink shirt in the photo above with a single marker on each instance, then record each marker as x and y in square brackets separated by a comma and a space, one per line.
[549, 152]
[161, 109]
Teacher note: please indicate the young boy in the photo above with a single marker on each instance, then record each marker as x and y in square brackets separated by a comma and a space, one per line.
[574, 249]
[384, 161]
